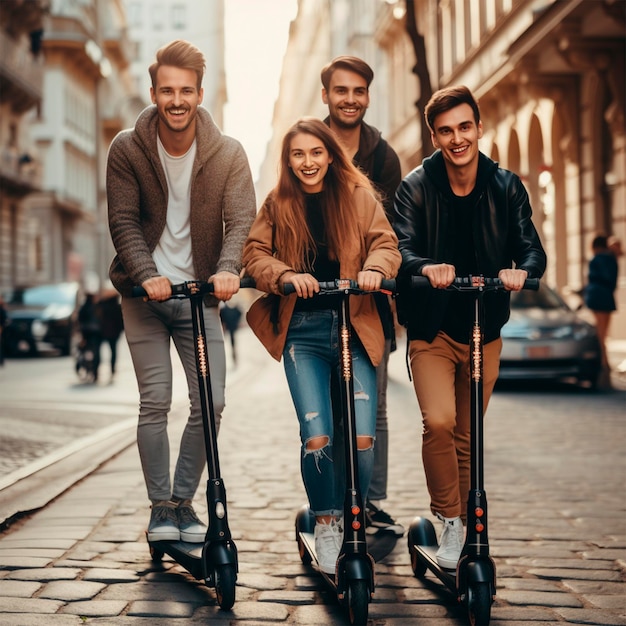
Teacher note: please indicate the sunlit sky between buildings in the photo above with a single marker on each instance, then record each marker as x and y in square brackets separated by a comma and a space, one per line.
[256, 34]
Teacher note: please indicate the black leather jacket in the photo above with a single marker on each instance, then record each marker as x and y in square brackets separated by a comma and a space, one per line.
[503, 234]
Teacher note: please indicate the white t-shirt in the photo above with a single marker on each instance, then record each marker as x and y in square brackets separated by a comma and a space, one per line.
[172, 254]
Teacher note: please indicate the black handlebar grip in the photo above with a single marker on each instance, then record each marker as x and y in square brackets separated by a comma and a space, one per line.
[388, 284]
[419, 282]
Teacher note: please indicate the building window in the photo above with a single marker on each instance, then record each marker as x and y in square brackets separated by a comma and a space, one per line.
[157, 16]
[134, 14]
[178, 16]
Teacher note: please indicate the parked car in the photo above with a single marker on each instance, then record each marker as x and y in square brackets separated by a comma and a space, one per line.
[41, 319]
[546, 339]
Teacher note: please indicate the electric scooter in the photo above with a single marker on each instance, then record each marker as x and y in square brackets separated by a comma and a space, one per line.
[214, 561]
[353, 580]
[474, 581]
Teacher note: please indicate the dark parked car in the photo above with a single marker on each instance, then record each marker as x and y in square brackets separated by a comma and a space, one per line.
[546, 339]
[41, 319]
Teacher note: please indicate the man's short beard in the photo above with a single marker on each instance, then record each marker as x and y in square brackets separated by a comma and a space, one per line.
[347, 125]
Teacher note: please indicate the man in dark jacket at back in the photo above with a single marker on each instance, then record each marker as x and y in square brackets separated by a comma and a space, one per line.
[458, 214]
[346, 81]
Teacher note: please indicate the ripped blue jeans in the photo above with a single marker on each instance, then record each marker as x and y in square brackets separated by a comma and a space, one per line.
[310, 359]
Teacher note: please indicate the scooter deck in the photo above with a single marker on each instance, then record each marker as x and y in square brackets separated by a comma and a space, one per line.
[308, 540]
[189, 555]
[428, 555]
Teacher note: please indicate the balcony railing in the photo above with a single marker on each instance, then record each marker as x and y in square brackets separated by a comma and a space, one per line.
[21, 73]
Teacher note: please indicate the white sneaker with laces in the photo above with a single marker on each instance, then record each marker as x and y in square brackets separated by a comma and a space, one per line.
[451, 542]
[192, 529]
[328, 539]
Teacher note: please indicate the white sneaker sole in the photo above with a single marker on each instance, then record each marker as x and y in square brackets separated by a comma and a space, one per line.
[164, 535]
[447, 563]
[192, 537]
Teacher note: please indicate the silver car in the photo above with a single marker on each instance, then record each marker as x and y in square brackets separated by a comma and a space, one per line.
[546, 339]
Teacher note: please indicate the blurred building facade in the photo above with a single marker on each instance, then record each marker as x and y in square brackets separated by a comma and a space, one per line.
[153, 23]
[549, 75]
[73, 73]
[21, 77]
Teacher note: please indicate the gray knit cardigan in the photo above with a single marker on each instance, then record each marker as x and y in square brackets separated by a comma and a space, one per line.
[223, 204]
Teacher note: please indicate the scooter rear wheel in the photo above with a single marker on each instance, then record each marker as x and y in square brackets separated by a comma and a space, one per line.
[225, 581]
[156, 554]
[479, 604]
[357, 599]
[418, 567]
[305, 556]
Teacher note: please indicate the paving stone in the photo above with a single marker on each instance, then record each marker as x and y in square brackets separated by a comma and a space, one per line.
[152, 608]
[613, 602]
[29, 605]
[45, 574]
[286, 597]
[109, 576]
[538, 598]
[71, 590]
[95, 608]
[591, 616]
[19, 588]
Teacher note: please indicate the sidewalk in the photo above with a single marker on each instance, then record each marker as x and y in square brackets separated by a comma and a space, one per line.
[83, 558]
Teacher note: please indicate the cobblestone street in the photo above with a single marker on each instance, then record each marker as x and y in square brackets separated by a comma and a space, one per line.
[555, 474]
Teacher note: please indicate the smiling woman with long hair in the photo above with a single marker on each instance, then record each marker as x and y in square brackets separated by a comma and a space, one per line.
[322, 221]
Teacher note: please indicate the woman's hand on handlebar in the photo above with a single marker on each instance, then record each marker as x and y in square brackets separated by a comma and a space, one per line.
[305, 285]
[440, 275]
[513, 280]
[158, 288]
[225, 285]
[369, 280]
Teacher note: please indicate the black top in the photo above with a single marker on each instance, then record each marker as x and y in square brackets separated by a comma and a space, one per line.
[323, 268]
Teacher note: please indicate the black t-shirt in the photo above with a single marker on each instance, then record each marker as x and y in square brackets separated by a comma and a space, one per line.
[322, 266]
[459, 313]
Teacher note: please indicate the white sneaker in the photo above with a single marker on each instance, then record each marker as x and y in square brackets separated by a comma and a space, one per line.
[192, 529]
[328, 540]
[451, 542]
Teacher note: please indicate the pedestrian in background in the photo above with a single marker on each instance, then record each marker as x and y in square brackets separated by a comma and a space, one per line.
[3, 324]
[346, 81]
[181, 202]
[90, 328]
[599, 293]
[458, 214]
[322, 221]
[111, 322]
[230, 314]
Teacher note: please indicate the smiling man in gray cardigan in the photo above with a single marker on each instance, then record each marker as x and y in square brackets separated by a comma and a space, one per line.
[181, 202]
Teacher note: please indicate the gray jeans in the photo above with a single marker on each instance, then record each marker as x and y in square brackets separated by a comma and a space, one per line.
[149, 327]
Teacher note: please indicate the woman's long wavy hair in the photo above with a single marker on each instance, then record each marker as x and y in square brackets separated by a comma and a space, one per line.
[286, 202]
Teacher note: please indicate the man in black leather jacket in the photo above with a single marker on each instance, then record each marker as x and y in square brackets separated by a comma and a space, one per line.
[458, 214]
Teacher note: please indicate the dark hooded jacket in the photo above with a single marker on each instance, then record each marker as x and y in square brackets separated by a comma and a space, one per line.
[379, 162]
[502, 235]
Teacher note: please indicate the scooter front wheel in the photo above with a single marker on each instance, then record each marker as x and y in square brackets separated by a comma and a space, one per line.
[479, 603]
[357, 600]
[225, 580]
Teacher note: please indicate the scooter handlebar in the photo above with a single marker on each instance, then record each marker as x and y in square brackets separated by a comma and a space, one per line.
[192, 288]
[346, 285]
[472, 283]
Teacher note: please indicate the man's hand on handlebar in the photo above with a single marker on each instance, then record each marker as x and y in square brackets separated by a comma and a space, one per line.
[513, 280]
[440, 275]
[225, 285]
[158, 288]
